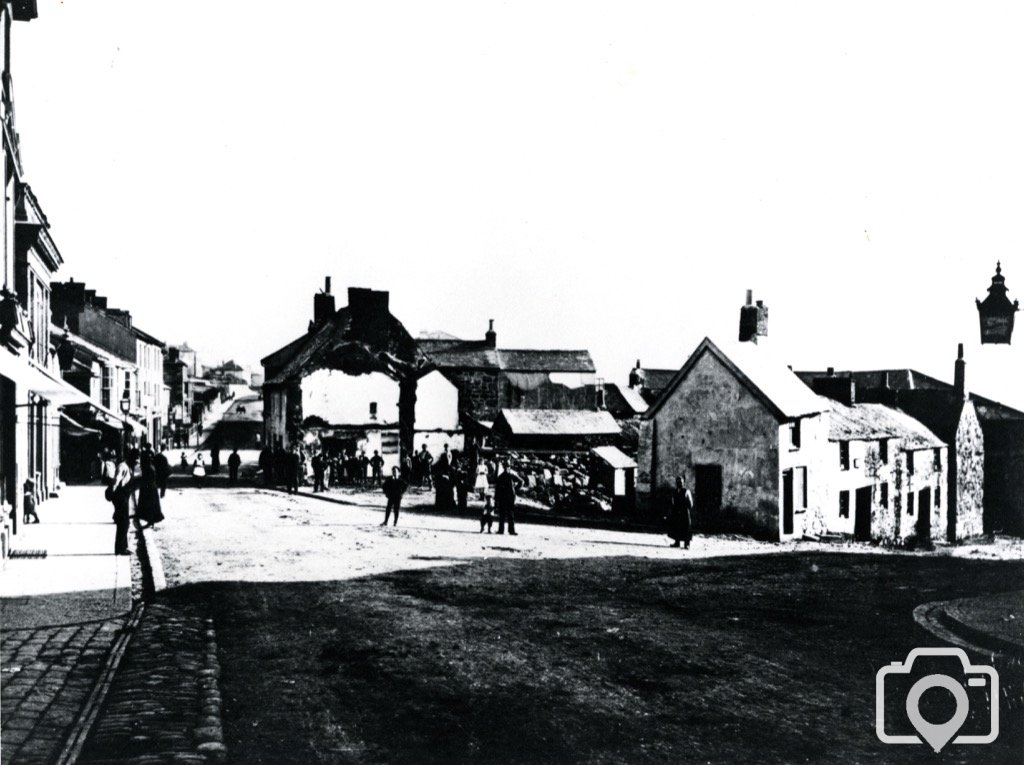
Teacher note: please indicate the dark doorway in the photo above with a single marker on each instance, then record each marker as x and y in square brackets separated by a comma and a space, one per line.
[862, 514]
[787, 501]
[707, 492]
[924, 513]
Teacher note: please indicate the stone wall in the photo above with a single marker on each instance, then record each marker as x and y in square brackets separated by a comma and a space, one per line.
[713, 419]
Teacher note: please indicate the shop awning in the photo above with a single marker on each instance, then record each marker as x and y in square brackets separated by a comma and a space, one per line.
[105, 417]
[72, 427]
[39, 381]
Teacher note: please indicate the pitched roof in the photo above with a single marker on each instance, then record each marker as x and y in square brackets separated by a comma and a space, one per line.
[546, 361]
[557, 422]
[911, 381]
[871, 422]
[476, 354]
[657, 380]
[614, 457]
[766, 377]
[632, 397]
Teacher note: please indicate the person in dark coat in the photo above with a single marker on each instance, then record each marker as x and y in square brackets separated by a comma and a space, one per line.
[677, 520]
[460, 475]
[280, 466]
[425, 464]
[163, 471]
[121, 488]
[234, 462]
[444, 490]
[394, 489]
[505, 498]
[377, 467]
[293, 463]
[319, 470]
[266, 463]
[364, 461]
[147, 510]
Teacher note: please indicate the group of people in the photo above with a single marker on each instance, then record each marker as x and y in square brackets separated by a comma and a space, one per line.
[452, 476]
[125, 488]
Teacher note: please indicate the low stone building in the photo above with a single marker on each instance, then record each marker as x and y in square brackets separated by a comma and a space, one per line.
[884, 475]
[554, 430]
[747, 436]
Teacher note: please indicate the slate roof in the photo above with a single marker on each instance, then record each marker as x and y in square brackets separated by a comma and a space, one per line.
[767, 377]
[556, 422]
[476, 354]
[910, 383]
[614, 457]
[631, 397]
[871, 422]
[656, 380]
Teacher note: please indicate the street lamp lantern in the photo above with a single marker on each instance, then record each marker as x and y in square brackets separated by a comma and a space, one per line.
[126, 403]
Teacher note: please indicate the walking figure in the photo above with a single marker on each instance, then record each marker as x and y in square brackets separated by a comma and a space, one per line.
[163, 471]
[377, 466]
[505, 496]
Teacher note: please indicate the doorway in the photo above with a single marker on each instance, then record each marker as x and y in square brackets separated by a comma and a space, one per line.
[862, 515]
[924, 513]
[707, 488]
[787, 501]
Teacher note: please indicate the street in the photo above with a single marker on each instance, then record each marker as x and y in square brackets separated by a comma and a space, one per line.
[341, 641]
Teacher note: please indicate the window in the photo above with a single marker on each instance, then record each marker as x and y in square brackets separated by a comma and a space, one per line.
[910, 503]
[910, 464]
[937, 459]
[794, 434]
[844, 455]
[884, 498]
[844, 504]
[883, 451]
[373, 410]
[108, 383]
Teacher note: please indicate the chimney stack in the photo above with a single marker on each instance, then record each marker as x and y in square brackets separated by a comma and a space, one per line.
[753, 320]
[491, 337]
[323, 304]
[960, 373]
[599, 390]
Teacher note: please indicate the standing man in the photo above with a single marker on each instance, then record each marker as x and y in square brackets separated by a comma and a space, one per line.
[377, 466]
[234, 461]
[505, 497]
[162, 467]
[677, 522]
[319, 469]
[293, 468]
[426, 462]
[394, 488]
[121, 489]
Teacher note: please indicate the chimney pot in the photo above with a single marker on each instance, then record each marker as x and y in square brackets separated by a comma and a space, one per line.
[327, 285]
[750, 297]
[831, 372]
[490, 337]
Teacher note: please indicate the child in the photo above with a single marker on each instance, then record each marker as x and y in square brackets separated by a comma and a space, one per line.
[30, 502]
[487, 515]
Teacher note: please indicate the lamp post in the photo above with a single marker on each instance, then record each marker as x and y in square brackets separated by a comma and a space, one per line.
[126, 405]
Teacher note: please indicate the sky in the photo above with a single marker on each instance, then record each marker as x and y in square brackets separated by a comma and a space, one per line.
[602, 175]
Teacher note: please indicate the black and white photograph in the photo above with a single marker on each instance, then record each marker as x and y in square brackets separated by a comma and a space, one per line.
[511, 382]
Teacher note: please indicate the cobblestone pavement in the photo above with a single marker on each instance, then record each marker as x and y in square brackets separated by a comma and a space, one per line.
[47, 676]
[163, 705]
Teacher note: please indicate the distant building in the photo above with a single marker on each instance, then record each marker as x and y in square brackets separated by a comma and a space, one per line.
[650, 382]
[149, 405]
[490, 379]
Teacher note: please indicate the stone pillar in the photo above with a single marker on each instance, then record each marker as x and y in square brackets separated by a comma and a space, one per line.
[406, 418]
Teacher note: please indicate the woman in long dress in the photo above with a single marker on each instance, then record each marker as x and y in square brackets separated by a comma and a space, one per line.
[147, 509]
[199, 467]
[677, 521]
[481, 486]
